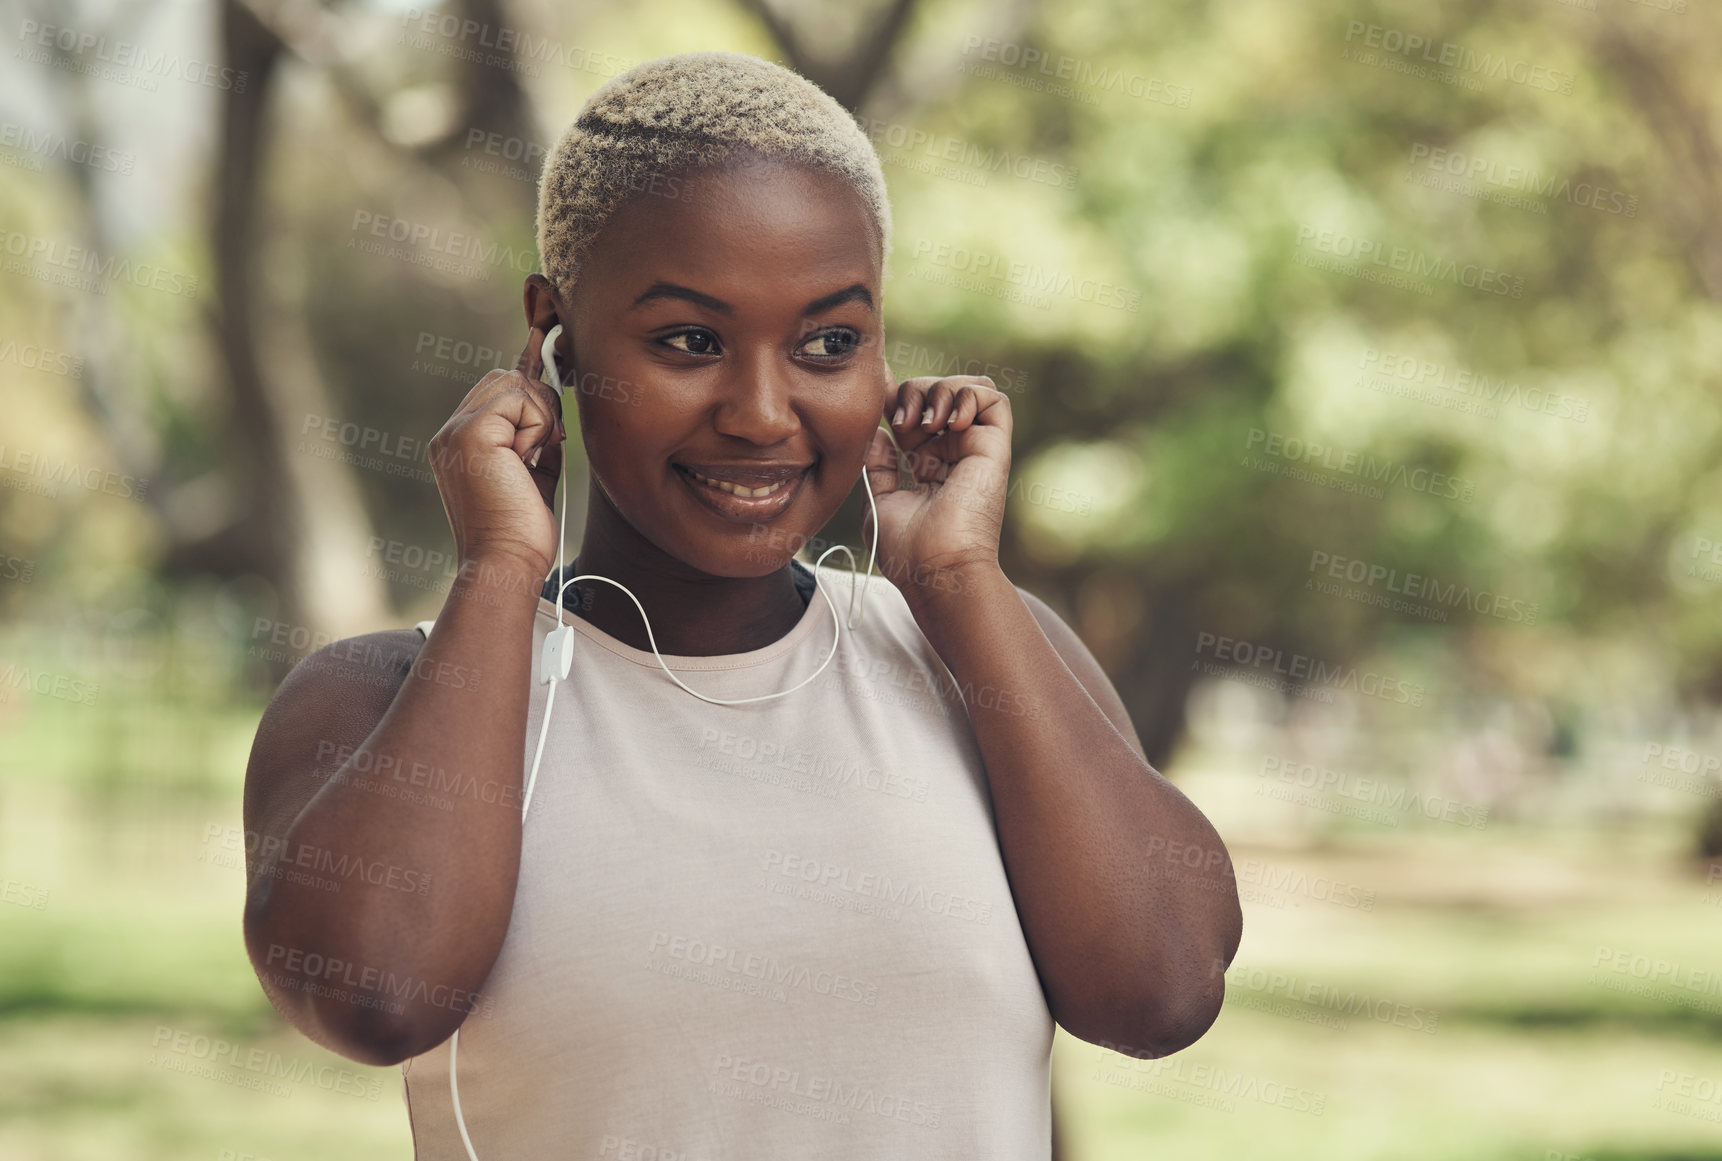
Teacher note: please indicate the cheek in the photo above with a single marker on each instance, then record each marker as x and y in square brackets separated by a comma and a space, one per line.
[619, 438]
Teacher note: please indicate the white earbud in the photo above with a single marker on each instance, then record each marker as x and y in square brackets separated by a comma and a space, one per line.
[558, 655]
[548, 353]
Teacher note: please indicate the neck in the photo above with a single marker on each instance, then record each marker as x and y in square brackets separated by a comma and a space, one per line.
[693, 613]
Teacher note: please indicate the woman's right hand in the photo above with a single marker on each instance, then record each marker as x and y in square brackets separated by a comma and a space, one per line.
[497, 460]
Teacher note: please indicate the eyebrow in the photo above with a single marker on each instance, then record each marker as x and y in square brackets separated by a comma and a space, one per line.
[855, 293]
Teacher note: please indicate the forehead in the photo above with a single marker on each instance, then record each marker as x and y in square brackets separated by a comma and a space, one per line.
[754, 232]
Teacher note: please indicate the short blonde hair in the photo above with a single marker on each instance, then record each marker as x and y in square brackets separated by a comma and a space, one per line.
[664, 118]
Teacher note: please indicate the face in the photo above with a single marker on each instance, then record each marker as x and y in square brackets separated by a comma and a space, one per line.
[729, 328]
[732, 332]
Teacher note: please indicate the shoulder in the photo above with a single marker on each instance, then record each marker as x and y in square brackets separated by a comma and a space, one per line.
[328, 703]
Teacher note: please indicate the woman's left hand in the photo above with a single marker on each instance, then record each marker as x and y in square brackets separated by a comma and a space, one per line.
[955, 438]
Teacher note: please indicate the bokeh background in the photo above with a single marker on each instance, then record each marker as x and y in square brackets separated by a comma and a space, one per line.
[1365, 361]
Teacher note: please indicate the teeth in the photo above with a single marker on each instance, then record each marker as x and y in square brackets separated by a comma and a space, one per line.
[737, 489]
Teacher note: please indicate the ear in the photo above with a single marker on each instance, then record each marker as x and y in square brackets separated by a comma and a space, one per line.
[544, 309]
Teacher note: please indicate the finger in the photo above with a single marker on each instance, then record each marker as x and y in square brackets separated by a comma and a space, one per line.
[958, 391]
[938, 405]
[548, 471]
[881, 463]
[905, 411]
[965, 408]
[910, 405]
[518, 419]
[536, 432]
[931, 462]
[498, 381]
[481, 391]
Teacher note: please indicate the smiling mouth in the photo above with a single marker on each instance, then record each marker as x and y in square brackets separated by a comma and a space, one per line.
[742, 503]
[739, 490]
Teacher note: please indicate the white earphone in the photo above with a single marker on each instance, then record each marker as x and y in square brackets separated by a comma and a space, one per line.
[558, 657]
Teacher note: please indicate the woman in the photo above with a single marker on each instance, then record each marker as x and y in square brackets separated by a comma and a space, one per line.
[838, 922]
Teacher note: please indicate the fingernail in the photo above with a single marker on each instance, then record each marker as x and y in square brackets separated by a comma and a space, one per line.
[532, 460]
[897, 419]
[926, 416]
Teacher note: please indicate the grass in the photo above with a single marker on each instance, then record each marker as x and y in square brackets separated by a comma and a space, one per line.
[1504, 936]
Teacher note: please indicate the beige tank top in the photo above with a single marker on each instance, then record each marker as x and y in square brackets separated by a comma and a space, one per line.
[773, 930]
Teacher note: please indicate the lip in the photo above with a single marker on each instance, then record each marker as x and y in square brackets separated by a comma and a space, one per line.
[752, 474]
[746, 510]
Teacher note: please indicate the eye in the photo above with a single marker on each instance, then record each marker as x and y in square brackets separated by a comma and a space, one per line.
[698, 341]
[832, 344]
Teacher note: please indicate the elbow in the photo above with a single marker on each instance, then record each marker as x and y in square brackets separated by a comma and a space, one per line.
[1149, 1030]
[363, 1025]
[1173, 1004]
[384, 1041]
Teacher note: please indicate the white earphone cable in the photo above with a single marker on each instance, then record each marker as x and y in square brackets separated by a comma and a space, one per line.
[558, 642]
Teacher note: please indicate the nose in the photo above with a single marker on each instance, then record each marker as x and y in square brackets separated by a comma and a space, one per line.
[756, 401]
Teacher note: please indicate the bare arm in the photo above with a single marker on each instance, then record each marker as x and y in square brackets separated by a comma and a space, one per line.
[393, 772]
[1125, 929]
[383, 794]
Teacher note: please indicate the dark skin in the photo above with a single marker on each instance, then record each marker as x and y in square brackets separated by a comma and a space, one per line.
[738, 323]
